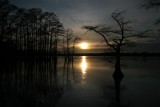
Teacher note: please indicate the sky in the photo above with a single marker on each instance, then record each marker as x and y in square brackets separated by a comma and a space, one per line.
[76, 13]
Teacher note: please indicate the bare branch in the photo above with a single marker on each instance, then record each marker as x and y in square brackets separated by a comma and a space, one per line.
[140, 34]
[117, 38]
[151, 4]
[100, 32]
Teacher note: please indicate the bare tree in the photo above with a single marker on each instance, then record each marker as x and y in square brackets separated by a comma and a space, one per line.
[117, 37]
[75, 41]
[69, 44]
[69, 41]
[69, 36]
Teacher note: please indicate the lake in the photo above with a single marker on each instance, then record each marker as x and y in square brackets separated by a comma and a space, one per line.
[85, 82]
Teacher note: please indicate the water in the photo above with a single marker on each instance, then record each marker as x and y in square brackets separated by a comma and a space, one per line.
[87, 82]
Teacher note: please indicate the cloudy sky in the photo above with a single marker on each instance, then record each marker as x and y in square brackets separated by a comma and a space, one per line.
[76, 13]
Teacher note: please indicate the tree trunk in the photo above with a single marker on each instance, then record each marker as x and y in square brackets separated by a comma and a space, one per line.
[118, 72]
[118, 75]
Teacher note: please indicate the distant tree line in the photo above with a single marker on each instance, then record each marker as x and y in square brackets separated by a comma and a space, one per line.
[31, 30]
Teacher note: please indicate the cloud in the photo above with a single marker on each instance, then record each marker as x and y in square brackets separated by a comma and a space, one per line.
[83, 11]
[79, 12]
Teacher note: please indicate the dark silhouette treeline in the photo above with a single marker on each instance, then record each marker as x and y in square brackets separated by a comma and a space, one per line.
[31, 32]
[28, 30]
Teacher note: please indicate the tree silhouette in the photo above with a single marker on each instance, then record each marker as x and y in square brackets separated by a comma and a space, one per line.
[69, 43]
[30, 31]
[6, 18]
[118, 37]
[75, 41]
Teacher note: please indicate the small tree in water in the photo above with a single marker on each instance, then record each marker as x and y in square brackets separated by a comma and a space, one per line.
[118, 37]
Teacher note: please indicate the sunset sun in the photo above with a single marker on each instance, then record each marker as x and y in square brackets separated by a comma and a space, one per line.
[84, 46]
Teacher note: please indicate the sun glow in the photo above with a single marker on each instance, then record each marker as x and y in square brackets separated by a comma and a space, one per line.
[84, 65]
[83, 70]
[84, 46]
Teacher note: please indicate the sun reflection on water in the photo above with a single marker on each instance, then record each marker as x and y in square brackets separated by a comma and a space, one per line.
[83, 70]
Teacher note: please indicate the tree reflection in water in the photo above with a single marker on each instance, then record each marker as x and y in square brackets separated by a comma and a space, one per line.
[30, 84]
[115, 98]
[42, 83]
[118, 76]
